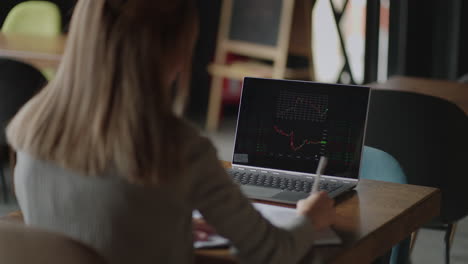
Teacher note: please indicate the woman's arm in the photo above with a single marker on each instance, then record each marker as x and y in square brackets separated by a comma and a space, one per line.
[223, 205]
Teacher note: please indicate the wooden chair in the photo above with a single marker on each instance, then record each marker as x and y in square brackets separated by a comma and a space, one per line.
[291, 36]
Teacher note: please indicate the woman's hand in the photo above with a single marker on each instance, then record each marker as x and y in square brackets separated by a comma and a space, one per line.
[201, 230]
[319, 208]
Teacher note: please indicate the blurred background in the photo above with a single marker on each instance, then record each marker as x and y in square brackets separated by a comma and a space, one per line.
[412, 38]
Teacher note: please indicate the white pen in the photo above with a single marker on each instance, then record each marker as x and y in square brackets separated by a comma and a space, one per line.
[320, 169]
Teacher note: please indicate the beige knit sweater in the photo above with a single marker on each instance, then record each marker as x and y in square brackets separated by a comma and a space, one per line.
[128, 223]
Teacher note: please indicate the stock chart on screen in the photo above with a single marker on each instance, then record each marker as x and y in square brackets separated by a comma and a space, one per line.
[288, 125]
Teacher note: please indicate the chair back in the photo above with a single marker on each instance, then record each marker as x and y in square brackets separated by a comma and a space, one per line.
[20, 244]
[428, 136]
[19, 82]
[34, 18]
[380, 166]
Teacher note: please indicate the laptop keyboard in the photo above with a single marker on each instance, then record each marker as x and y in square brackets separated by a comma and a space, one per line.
[279, 182]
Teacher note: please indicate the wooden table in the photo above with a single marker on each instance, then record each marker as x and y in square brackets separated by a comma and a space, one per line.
[452, 91]
[371, 220]
[40, 51]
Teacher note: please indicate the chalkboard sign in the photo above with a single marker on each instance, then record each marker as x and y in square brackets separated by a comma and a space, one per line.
[260, 30]
[256, 21]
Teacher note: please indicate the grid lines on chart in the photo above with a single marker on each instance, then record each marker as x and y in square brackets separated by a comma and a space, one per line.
[300, 106]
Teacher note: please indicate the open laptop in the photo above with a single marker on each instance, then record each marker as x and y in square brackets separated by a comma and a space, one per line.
[283, 129]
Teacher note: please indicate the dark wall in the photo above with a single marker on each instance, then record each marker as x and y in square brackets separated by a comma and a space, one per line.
[435, 39]
[463, 61]
[204, 52]
[419, 38]
[66, 8]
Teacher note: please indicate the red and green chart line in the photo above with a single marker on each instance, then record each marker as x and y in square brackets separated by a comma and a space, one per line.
[314, 106]
[292, 145]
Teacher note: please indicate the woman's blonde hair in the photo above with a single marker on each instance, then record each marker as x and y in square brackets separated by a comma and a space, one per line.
[110, 105]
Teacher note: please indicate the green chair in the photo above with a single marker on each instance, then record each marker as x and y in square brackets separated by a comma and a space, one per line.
[34, 18]
[39, 18]
[381, 166]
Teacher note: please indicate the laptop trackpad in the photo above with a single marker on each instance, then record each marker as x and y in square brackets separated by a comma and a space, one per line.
[291, 196]
[255, 191]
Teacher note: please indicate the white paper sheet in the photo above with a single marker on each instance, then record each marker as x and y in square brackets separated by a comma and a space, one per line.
[278, 216]
[283, 216]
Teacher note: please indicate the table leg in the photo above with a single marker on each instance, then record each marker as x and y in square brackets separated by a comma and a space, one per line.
[214, 106]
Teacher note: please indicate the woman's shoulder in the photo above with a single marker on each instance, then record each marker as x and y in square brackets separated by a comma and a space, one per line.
[195, 141]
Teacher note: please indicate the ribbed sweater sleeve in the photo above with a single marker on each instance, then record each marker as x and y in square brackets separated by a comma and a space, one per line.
[223, 205]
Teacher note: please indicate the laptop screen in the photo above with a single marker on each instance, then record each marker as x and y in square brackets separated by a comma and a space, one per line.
[288, 125]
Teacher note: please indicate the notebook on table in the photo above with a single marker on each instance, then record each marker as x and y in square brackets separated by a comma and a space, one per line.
[283, 129]
[279, 217]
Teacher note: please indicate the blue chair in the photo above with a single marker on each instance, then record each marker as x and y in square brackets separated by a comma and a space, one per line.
[427, 135]
[381, 166]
